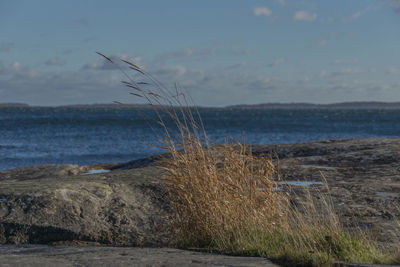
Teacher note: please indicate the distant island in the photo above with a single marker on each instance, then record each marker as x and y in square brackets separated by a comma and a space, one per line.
[111, 105]
[343, 105]
[6, 105]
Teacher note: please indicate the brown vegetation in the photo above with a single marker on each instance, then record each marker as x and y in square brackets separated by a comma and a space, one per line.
[227, 200]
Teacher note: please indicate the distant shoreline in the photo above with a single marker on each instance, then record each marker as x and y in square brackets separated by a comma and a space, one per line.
[342, 105]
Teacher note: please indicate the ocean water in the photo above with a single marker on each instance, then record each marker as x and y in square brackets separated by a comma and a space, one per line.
[33, 135]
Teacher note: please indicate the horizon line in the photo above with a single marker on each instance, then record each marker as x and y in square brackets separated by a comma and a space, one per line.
[265, 105]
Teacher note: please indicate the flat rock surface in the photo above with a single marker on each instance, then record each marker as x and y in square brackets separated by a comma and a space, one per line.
[41, 255]
[60, 204]
[363, 176]
[54, 204]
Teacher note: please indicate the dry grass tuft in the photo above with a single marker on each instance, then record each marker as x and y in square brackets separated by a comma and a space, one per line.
[218, 191]
[227, 200]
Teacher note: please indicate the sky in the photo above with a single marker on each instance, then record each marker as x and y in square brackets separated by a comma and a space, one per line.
[221, 52]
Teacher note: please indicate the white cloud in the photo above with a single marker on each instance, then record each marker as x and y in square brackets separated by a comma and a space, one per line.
[361, 91]
[91, 85]
[262, 11]
[277, 62]
[304, 16]
[240, 65]
[347, 72]
[232, 84]
[345, 61]
[356, 15]
[360, 13]
[242, 51]
[393, 70]
[281, 2]
[186, 53]
[55, 62]
[19, 83]
[176, 70]
[12, 68]
[323, 42]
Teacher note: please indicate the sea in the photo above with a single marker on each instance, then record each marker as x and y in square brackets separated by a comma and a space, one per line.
[93, 135]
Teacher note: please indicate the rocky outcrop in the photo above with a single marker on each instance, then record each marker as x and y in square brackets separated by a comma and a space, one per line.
[58, 204]
[363, 177]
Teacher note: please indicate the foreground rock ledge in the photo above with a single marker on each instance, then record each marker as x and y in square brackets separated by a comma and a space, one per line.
[57, 204]
[41, 255]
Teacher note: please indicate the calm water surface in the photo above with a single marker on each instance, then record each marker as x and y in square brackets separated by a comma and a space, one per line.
[30, 136]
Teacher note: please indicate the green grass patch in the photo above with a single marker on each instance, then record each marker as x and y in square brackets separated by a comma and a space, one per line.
[289, 248]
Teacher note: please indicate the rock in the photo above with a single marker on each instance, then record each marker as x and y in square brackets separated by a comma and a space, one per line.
[40, 171]
[56, 204]
[363, 177]
[40, 255]
[138, 163]
[53, 203]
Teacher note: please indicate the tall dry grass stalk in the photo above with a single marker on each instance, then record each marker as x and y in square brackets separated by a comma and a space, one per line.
[218, 191]
[225, 199]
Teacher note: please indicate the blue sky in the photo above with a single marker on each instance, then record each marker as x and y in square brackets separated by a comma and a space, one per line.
[222, 52]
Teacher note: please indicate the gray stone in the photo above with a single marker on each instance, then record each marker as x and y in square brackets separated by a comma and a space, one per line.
[53, 203]
[363, 177]
[40, 255]
[56, 204]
